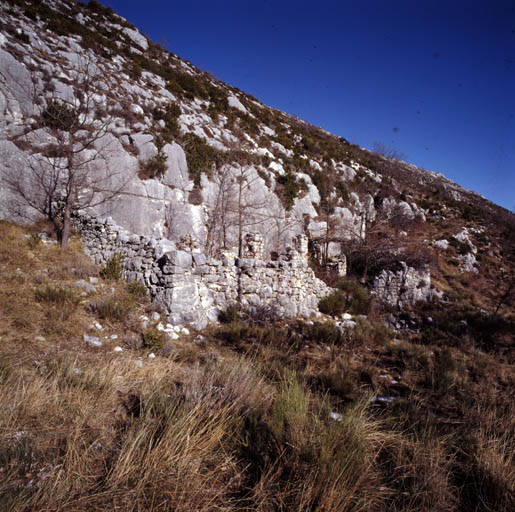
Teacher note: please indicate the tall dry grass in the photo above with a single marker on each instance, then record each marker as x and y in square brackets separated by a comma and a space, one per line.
[210, 429]
[79, 436]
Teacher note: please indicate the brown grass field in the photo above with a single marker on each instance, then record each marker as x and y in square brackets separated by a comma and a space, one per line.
[239, 420]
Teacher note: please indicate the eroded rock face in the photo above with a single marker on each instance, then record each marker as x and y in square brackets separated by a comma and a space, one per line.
[407, 286]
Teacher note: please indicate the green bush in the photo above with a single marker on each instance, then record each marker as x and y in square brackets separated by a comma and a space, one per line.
[350, 297]
[461, 247]
[34, 240]
[370, 331]
[289, 414]
[230, 314]
[357, 299]
[64, 300]
[333, 304]
[340, 383]
[57, 295]
[170, 115]
[154, 167]
[58, 115]
[113, 270]
[153, 339]
[326, 333]
[444, 373]
[290, 188]
[201, 157]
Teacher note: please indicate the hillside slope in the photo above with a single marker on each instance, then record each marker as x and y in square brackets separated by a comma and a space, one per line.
[181, 155]
[394, 394]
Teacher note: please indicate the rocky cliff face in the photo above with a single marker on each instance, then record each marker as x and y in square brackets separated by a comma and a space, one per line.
[168, 151]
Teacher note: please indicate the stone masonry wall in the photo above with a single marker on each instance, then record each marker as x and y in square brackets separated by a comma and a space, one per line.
[192, 288]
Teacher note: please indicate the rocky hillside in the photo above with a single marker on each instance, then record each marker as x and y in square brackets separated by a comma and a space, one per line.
[362, 357]
[167, 150]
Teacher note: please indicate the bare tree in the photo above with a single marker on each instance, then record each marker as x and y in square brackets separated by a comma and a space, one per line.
[238, 205]
[218, 221]
[388, 151]
[248, 205]
[67, 152]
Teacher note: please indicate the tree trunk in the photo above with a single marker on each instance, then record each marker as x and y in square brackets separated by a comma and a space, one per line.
[240, 219]
[67, 224]
[67, 214]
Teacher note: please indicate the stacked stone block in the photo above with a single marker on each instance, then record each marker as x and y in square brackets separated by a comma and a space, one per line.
[192, 288]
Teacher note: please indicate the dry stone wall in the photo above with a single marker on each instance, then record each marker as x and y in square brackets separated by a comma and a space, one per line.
[192, 288]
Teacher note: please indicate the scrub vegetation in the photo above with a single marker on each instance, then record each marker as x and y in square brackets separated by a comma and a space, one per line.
[252, 414]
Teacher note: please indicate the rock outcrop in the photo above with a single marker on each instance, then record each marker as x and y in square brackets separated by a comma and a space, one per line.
[404, 287]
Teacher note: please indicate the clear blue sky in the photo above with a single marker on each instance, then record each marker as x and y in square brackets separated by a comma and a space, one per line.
[435, 79]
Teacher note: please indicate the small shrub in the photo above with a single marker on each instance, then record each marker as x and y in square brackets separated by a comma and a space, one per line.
[340, 383]
[201, 157]
[333, 304]
[34, 240]
[230, 314]
[444, 374]
[408, 354]
[195, 196]
[113, 308]
[290, 188]
[234, 333]
[289, 414]
[59, 116]
[154, 167]
[170, 116]
[153, 339]
[358, 301]
[113, 270]
[262, 314]
[326, 333]
[461, 247]
[370, 331]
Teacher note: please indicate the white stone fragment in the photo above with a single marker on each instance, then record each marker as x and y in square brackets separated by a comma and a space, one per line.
[441, 244]
[136, 109]
[92, 340]
[118, 349]
[151, 355]
[336, 416]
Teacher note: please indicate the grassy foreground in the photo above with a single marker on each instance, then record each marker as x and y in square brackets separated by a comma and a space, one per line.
[252, 415]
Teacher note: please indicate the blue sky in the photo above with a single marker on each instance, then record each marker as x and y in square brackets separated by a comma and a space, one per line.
[434, 79]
